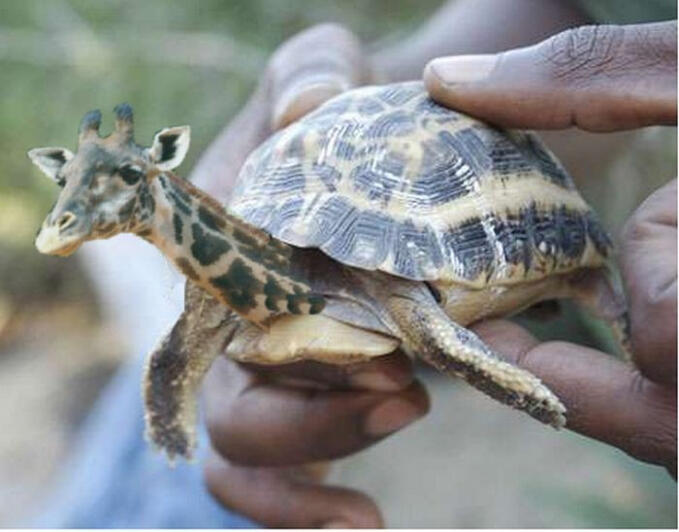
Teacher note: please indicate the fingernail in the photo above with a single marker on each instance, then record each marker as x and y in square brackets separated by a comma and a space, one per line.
[389, 416]
[462, 68]
[374, 381]
[337, 524]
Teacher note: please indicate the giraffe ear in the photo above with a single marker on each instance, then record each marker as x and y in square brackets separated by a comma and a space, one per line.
[50, 160]
[170, 146]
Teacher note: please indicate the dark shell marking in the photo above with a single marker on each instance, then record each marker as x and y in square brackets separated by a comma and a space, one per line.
[384, 178]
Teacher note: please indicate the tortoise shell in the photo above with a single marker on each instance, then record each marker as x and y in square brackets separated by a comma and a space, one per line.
[383, 178]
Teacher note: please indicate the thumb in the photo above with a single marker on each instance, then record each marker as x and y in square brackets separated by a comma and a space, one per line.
[597, 78]
[312, 67]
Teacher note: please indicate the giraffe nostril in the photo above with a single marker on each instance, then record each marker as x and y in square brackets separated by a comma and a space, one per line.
[65, 220]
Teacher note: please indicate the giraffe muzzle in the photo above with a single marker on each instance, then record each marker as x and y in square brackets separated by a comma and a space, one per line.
[62, 236]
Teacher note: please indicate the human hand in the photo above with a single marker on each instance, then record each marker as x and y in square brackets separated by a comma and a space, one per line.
[269, 427]
[633, 408]
[602, 78]
[598, 78]
[264, 422]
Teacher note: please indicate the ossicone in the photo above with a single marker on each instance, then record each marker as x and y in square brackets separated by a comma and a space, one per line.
[89, 125]
[124, 127]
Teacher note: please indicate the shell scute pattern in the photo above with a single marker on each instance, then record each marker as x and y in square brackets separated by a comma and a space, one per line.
[572, 232]
[468, 147]
[469, 244]
[285, 214]
[369, 106]
[429, 107]
[597, 235]
[365, 235]
[398, 95]
[330, 217]
[445, 174]
[329, 175]
[384, 178]
[394, 124]
[417, 252]
[377, 179]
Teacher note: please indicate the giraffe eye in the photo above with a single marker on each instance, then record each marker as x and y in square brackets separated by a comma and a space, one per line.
[130, 173]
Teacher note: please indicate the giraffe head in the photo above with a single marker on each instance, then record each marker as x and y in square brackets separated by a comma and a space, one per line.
[105, 184]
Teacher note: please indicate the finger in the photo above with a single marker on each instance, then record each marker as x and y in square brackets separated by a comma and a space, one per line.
[649, 266]
[312, 67]
[605, 398]
[598, 78]
[387, 373]
[268, 425]
[274, 499]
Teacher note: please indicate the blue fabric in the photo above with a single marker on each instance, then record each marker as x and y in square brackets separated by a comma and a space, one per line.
[115, 480]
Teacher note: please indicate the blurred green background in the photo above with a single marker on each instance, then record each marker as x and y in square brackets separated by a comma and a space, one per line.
[196, 63]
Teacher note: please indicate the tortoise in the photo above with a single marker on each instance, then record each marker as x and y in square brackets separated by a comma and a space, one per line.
[378, 220]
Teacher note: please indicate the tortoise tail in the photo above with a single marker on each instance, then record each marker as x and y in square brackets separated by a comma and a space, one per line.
[598, 290]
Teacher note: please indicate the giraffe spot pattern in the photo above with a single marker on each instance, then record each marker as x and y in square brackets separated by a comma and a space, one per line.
[295, 300]
[268, 255]
[178, 224]
[274, 294]
[238, 286]
[206, 247]
[186, 268]
[210, 220]
[180, 204]
[148, 204]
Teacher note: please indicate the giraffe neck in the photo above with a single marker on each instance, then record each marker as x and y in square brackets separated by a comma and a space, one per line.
[240, 265]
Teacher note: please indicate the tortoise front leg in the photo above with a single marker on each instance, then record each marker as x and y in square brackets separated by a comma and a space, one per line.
[428, 333]
[175, 369]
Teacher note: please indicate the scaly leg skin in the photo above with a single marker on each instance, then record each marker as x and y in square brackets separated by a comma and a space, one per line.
[595, 290]
[428, 333]
[175, 368]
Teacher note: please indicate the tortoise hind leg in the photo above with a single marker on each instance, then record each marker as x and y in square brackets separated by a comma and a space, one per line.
[428, 333]
[175, 368]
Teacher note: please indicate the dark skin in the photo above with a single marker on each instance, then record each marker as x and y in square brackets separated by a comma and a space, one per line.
[268, 424]
[626, 79]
